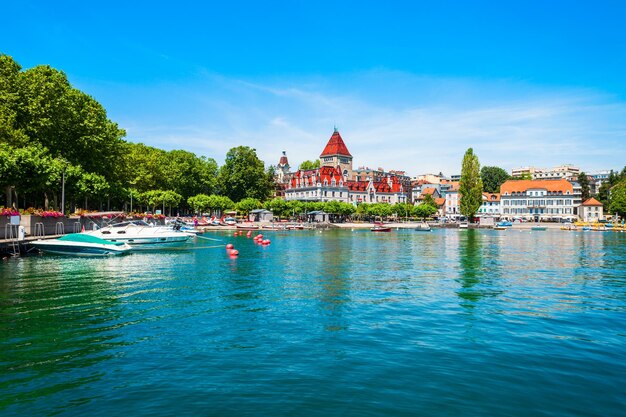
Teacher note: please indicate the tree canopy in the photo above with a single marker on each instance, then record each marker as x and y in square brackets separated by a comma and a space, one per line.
[493, 178]
[309, 164]
[583, 180]
[49, 128]
[243, 175]
[470, 186]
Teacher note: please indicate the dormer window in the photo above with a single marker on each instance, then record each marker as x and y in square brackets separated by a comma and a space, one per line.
[325, 183]
[341, 183]
[333, 182]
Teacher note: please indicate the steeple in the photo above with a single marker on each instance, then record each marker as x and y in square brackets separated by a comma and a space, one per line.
[283, 162]
[335, 146]
[337, 155]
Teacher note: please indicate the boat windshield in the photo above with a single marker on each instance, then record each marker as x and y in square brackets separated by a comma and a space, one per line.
[132, 222]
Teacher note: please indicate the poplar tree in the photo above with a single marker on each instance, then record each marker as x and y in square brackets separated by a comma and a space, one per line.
[471, 185]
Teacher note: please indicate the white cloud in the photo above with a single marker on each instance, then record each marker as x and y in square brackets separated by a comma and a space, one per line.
[388, 119]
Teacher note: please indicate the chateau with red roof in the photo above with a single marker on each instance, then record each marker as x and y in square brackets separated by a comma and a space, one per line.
[335, 180]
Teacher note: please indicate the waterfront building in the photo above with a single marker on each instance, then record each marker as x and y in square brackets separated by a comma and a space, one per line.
[428, 178]
[379, 175]
[596, 180]
[538, 199]
[568, 172]
[322, 184]
[520, 172]
[455, 177]
[422, 188]
[452, 205]
[336, 180]
[490, 206]
[591, 211]
[389, 190]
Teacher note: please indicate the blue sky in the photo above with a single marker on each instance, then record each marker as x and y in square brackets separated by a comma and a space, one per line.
[410, 85]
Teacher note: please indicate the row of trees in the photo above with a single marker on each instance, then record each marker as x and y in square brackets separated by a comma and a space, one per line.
[217, 205]
[50, 130]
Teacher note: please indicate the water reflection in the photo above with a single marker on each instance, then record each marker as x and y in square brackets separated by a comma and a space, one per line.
[58, 323]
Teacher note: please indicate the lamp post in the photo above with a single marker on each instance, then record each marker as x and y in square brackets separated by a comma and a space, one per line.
[63, 188]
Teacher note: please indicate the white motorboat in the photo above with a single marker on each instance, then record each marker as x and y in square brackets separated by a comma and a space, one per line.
[138, 232]
[81, 244]
[423, 227]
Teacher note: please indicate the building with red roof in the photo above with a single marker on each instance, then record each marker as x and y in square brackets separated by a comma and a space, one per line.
[538, 199]
[591, 210]
[335, 180]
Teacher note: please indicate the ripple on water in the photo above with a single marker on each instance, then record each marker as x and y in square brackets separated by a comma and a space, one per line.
[333, 323]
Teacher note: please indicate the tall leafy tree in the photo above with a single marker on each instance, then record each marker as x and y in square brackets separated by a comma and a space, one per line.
[493, 178]
[618, 199]
[583, 180]
[243, 175]
[471, 185]
[246, 205]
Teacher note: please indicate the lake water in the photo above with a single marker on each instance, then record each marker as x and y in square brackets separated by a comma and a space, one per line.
[339, 323]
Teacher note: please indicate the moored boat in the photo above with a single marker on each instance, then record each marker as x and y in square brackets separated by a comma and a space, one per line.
[81, 244]
[423, 227]
[137, 232]
[380, 227]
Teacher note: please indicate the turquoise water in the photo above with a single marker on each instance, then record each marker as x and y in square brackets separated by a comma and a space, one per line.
[338, 323]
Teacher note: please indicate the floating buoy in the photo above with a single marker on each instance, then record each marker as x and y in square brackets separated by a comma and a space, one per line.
[230, 246]
[259, 236]
[234, 252]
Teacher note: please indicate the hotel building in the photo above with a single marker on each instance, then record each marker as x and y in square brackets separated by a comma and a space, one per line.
[538, 199]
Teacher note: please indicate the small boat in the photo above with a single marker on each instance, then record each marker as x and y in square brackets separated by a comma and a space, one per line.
[463, 225]
[81, 244]
[295, 227]
[496, 227]
[423, 227]
[504, 224]
[539, 228]
[380, 227]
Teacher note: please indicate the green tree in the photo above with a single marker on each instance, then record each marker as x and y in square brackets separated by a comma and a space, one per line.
[470, 186]
[424, 210]
[277, 206]
[583, 180]
[493, 178]
[618, 199]
[243, 176]
[309, 164]
[246, 205]
[429, 201]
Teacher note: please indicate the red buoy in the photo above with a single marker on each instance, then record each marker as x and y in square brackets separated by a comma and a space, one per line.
[234, 252]
[230, 246]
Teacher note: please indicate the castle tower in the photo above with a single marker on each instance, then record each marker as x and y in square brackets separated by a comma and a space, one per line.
[336, 154]
[282, 168]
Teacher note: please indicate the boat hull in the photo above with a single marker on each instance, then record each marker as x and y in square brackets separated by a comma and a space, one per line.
[381, 229]
[56, 248]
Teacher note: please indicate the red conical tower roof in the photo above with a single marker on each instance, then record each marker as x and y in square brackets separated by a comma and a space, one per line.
[335, 146]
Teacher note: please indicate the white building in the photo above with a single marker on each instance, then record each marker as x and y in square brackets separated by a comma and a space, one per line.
[591, 211]
[538, 199]
[567, 172]
[490, 206]
[452, 205]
